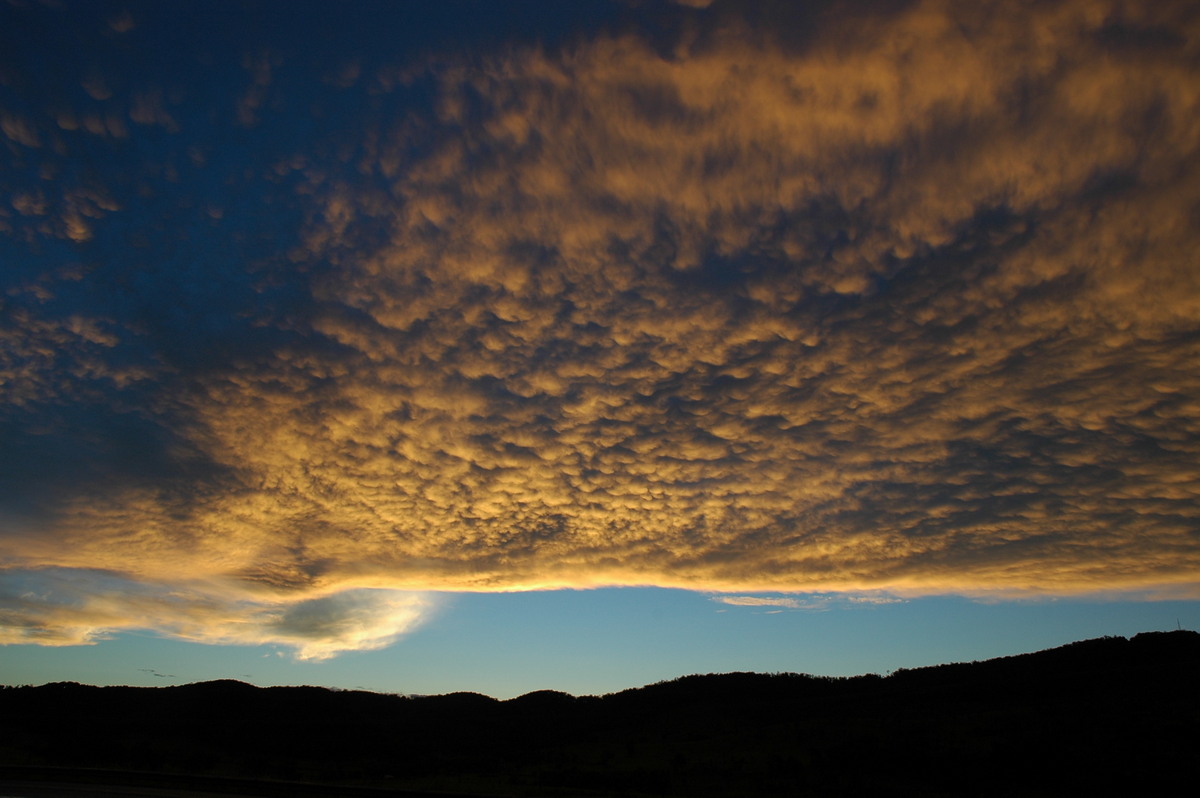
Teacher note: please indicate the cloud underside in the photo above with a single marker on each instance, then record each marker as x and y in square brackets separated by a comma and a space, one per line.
[909, 306]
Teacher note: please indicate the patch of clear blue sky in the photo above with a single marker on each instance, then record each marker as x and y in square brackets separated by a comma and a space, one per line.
[600, 641]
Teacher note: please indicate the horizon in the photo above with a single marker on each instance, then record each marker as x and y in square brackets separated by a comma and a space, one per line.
[682, 677]
[584, 665]
[405, 346]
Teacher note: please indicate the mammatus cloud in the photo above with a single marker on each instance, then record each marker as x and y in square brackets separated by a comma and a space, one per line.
[904, 302]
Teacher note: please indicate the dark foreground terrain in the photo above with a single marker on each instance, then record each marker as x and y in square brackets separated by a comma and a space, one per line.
[1099, 717]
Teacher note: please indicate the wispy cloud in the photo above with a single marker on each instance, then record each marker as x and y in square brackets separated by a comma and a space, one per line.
[758, 601]
[816, 601]
[904, 304]
[874, 600]
[63, 607]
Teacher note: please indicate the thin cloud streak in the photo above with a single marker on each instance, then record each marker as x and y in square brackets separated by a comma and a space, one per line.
[813, 602]
[908, 304]
[755, 601]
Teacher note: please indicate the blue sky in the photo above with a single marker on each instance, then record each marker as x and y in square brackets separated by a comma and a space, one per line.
[600, 641]
[496, 346]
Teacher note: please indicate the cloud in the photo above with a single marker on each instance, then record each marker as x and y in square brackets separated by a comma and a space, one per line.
[817, 602]
[902, 302]
[354, 620]
[62, 607]
[871, 600]
[758, 601]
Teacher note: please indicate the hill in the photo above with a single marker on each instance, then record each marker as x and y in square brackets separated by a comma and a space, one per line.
[1104, 716]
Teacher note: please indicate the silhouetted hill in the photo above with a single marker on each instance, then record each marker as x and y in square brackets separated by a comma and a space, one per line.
[1104, 716]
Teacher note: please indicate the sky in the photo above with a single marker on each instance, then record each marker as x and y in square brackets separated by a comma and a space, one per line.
[439, 346]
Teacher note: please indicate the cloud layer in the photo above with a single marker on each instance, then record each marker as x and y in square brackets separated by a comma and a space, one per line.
[902, 300]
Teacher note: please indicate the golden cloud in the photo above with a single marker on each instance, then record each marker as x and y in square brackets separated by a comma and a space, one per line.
[910, 305]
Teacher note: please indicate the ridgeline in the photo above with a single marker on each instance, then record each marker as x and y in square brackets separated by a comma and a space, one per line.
[1104, 716]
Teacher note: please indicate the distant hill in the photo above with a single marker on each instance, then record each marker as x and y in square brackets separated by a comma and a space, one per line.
[1105, 716]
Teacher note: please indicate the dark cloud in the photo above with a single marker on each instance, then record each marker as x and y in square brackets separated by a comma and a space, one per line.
[901, 302]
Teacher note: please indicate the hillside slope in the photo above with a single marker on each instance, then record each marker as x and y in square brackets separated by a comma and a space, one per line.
[1094, 717]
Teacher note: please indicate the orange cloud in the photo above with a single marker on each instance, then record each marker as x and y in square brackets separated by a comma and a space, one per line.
[907, 306]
